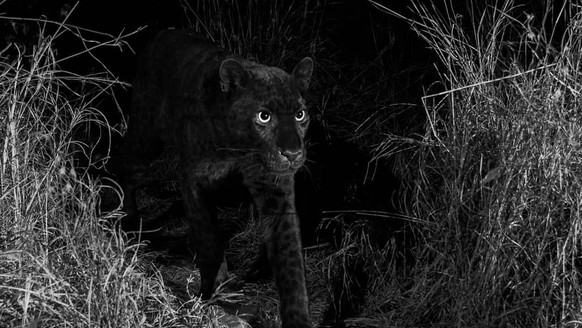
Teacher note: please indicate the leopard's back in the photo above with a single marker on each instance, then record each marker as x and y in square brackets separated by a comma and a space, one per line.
[176, 88]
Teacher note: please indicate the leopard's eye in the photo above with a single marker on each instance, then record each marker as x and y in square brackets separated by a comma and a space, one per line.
[264, 116]
[300, 115]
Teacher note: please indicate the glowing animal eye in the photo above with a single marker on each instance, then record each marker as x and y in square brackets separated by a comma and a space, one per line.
[300, 115]
[264, 116]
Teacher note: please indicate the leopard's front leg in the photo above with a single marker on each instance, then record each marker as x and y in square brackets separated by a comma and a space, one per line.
[275, 199]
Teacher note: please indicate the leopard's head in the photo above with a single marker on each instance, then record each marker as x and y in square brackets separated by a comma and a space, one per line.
[270, 104]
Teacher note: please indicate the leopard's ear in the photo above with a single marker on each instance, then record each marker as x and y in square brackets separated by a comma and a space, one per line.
[232, 74]
[302, 72]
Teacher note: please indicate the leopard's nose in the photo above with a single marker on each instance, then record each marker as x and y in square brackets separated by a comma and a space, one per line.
[291, 155]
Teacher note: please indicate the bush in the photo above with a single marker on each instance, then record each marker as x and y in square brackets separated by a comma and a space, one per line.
[60, 264]
[496, 176]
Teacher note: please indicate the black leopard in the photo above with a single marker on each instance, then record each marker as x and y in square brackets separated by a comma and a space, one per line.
[224, 115]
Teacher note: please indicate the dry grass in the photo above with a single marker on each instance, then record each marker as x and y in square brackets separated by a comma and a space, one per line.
[60, 264]
[270, 32]
[496, 175]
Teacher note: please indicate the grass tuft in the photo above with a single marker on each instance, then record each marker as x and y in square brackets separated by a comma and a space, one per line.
[60, 263]
[496, 173]
[268, 31]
